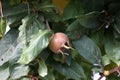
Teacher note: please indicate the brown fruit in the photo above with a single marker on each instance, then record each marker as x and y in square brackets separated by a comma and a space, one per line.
[58, 42]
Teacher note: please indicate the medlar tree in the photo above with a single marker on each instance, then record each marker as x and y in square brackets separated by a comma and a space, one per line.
[60, 40]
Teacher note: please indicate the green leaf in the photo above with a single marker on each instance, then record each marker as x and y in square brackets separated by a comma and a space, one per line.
[40, 24]
[59, 58]
[90, 20]
[112, 46]
[75, 30]
[13, 10]
[78, 69]
[112, 49]
[48, 10]
[77, 7]
[50, 76]
[16, 54]
[3, 25]
[42, 70]
[113, 77]
[15, 13]
[117, 22]
[74, 25]
[15, 20]
[51, 16]
[45, 54]
[68, 59]
[4, 72]
[45, 7]
[88, 49]
[97, 37]
[92, 5]
[73, 10]
[114, 7]
[17, 71]
[13, 2]
[38, 42]
[105, 60]
[24, 78]
[74, 53]
[7, 45]
[30, 26]
[25, 28]
[73, 71]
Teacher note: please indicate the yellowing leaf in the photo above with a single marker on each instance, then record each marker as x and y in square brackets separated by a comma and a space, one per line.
[61, 4]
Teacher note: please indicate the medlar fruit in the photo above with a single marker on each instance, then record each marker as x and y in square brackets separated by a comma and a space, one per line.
[58, 42]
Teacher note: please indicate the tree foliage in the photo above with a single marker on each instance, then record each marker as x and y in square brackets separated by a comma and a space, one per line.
[93, 28]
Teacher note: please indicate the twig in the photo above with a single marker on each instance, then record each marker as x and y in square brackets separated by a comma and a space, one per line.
[116, 69]
[101, 77]
[28, 7]
[47, 24]
[1, 9]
